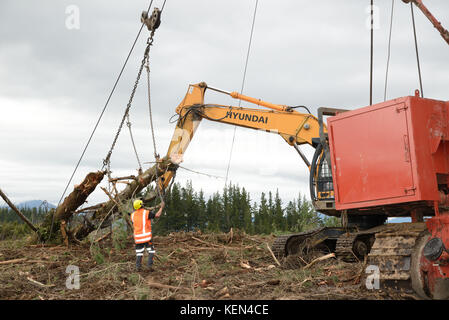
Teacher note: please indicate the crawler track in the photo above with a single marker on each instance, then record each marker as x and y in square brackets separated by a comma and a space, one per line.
[322, 239]
[290, 244]
[392, 252]
[389, 247]
[344, 247]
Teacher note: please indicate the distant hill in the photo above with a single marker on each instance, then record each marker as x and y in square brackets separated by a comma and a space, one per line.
[34, 204]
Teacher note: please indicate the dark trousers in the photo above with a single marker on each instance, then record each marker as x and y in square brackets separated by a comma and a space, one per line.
[140, 249]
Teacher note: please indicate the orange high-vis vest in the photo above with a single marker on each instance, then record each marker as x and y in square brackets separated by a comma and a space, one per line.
[142, 225]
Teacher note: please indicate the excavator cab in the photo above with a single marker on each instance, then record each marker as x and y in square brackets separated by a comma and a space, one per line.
[321, 183]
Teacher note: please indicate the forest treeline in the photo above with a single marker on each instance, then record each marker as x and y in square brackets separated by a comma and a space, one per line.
[189, 210]
[12, 227]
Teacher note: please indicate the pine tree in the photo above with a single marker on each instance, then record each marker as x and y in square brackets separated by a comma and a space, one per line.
[189, 207]
[279, 220]
[246, 213]
[254, 218]
[176, 219]
[233, 206]
[201, 207]
[263, 222]
[226, 218]
[292, 217]
[214, 212]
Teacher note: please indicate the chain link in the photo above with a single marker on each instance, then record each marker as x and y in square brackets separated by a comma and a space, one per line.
[107, 160]
[147, 66]
[128, 123]
[156, 155]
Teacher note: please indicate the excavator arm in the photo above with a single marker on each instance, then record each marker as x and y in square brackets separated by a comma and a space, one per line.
[444, 33]
[294, 127]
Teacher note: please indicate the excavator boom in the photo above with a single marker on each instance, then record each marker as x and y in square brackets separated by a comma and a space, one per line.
[294, 127]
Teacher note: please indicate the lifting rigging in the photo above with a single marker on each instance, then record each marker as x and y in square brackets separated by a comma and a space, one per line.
[152, 22]
[80, 193]
[104, 107]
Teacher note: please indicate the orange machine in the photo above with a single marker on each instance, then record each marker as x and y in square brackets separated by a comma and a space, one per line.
[396, 165]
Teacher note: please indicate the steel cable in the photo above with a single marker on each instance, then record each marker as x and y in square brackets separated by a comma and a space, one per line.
[416, 49]
[242, 87]
[389, 50]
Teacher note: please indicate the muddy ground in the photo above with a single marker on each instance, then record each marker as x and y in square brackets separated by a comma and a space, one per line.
[187, 266]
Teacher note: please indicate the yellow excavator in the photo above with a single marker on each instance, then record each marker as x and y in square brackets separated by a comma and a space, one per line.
[294, 127]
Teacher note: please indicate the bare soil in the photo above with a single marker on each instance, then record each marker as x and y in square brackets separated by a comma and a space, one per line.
[187, 266]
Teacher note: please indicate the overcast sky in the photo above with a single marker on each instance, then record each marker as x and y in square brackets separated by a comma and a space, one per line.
[54, 81]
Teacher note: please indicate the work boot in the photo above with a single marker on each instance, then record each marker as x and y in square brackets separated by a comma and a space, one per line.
[139, 263]
[150, 260]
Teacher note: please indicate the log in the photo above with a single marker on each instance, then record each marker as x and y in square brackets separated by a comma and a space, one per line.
[78, 196]
[20, 214]
[83, 230]
[91, 208]
[136, 186]
[327, 256]
[213, 245]
[39, 283]
[272, 254]
[12, 261]
[208, 243]
[165, 286]
[104, 237]
[110, 207]
[123, 178]
[64, 234]
[273, 282]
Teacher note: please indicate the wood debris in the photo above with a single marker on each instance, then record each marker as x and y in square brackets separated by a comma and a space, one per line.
[13, 261]
[165, 286]
[245, 265]
[222, 292]
[325, 257]
[272, 254]
[39, 283]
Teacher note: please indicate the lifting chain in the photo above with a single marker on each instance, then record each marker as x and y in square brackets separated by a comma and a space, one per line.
[107, 160]
[128, 124]
[152, 24]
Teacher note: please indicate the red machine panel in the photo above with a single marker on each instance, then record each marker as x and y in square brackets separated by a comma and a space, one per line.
[389, 153]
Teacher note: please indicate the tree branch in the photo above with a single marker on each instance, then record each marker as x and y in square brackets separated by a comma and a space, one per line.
[20, 214]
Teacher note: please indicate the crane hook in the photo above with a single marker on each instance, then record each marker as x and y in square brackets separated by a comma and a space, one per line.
[152, 22]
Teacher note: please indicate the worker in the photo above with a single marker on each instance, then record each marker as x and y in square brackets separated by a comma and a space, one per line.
[141, 219]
